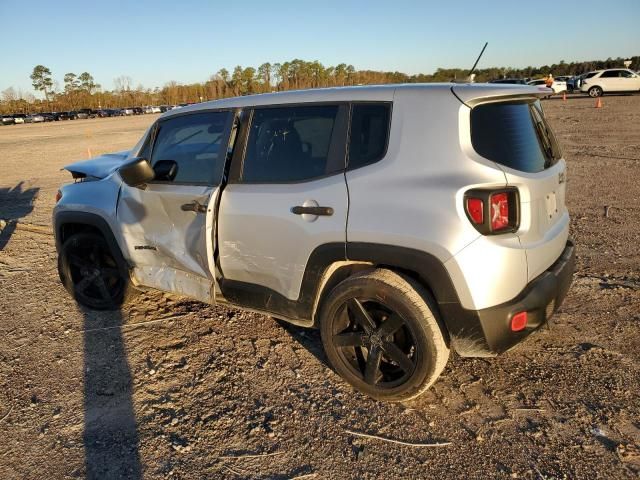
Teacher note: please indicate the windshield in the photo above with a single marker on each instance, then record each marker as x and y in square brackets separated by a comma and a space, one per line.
[135, 151]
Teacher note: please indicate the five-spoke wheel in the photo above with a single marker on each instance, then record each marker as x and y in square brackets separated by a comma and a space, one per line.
[380, 333]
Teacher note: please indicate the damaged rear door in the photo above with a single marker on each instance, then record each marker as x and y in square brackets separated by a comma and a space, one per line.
[168, 225]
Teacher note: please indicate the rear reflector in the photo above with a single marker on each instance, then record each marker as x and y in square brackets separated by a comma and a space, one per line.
[475, 207]
[518, 321]
[499, 207]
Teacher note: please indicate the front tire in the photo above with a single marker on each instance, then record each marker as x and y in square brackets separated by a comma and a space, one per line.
[595, 92]
[381, 334]
[92, 273]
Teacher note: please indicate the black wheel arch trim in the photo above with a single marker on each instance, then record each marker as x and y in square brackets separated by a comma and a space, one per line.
[92, 220]
[427, 269]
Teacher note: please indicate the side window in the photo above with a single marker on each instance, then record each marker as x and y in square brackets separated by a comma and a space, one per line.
[609, 74]
[369, 133]
[194, 142]
[626, 74]
[289, 144]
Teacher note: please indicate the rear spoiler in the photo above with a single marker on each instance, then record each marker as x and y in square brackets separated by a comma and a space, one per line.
[471, 94]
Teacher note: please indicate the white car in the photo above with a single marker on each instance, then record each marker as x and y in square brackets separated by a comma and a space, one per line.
[611, 80]
[558, 86]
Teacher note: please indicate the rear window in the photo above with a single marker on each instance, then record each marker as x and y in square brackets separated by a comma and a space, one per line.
[369, 133]
[514, 134]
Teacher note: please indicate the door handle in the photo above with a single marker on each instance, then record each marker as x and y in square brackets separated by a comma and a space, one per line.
[321, 211]
[194, 206]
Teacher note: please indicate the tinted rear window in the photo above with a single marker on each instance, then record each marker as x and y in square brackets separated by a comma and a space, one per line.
[514, 134]
[369, 133]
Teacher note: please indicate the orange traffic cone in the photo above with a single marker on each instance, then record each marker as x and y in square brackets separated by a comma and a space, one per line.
[564, 96]
[598, 103]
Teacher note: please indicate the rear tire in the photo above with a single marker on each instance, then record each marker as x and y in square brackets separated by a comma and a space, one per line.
[381, 334]
[95, 276]
[595, 92]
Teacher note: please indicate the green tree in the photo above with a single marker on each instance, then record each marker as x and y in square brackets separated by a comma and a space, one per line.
[87, 83]
[41, 80]
[71, 83]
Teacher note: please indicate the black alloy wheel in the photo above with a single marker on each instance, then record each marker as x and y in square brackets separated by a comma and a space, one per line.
[375, 342]
[90, 272]
[381, 334]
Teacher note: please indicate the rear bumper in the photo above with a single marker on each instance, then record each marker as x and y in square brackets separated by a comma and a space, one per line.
[487, 332]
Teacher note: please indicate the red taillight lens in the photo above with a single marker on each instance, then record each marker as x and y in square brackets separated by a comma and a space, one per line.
[493, 211]
[499, 211]
[475, 207]
[58, 196]
[518, 321]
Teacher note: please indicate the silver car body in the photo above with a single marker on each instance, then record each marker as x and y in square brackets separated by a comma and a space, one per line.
[412, 198]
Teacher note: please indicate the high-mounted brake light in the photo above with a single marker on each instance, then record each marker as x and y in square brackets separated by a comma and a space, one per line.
[491, 211]
[499, 207]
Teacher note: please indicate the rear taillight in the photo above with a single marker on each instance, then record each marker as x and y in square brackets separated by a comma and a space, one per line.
[499, 211]
[475, 209]
[493, 211]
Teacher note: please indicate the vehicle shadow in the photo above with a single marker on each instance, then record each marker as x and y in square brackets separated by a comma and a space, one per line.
[15, 203]
[309, 338]
[110, 436]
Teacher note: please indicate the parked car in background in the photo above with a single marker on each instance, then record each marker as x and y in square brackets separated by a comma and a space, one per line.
[85, 113]
[557, 86]
[19, 117]
[138, 111]
[612, 80]
[8, 120]
[49, 116]
[105, 112]
[127, 111]
[34, 118]
[148, 109]
[514, 81]
[164, 108]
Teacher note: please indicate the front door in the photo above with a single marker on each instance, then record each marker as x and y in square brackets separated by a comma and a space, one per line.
[288, 198]
[168, 225]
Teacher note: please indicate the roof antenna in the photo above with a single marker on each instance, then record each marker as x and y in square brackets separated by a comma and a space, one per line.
[471, 75]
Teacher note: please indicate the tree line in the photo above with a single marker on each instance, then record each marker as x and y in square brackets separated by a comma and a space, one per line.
[81, 90]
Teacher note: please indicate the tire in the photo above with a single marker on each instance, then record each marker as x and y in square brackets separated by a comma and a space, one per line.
[380, 332]
[595, 92]
[93, 274]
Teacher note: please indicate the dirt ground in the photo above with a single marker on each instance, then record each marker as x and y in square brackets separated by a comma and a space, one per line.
[172, 388]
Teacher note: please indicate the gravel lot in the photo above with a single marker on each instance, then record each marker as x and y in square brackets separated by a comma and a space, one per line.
[172, 388]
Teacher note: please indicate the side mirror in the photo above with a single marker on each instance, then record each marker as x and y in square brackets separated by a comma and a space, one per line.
[137, 172]
[165, 170]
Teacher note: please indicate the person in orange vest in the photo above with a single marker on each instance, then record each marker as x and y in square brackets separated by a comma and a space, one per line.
[549, 81]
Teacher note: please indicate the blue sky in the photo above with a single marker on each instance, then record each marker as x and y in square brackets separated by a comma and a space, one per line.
[157, 41]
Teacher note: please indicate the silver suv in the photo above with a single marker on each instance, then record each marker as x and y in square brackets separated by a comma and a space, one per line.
[402, 220]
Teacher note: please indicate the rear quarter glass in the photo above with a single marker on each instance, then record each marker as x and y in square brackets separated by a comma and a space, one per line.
[514, 134]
